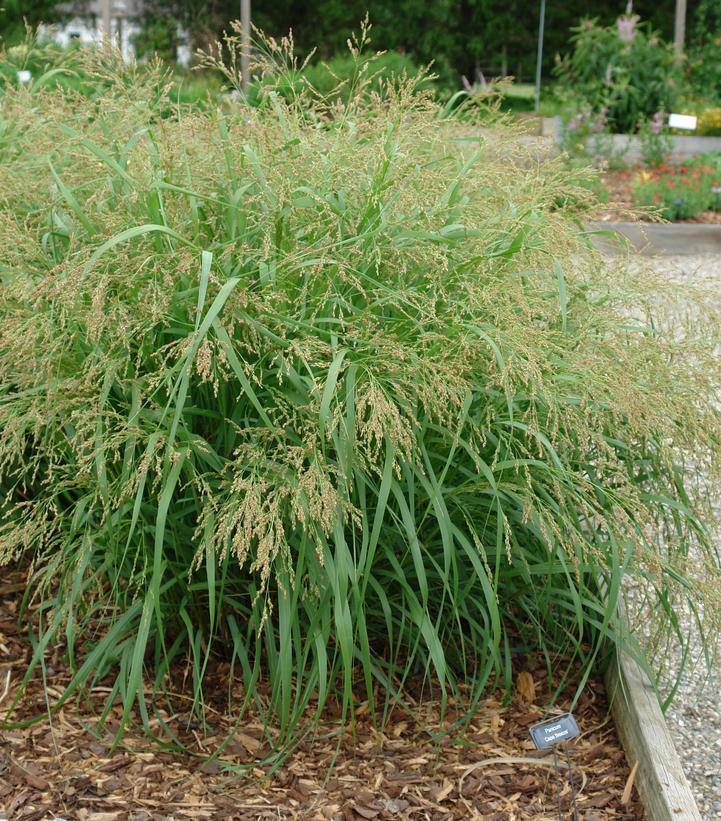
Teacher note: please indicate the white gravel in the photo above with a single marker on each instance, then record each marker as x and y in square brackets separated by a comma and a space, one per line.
[694, 717]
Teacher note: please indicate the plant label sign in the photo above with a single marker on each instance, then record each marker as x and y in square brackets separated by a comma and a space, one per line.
[554, 731]
[686, 121]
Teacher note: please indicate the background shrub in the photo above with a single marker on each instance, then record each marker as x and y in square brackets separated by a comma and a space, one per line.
[337, 393]
[625, 70]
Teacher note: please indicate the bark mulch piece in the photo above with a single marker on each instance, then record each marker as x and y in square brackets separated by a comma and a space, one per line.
[59, 768]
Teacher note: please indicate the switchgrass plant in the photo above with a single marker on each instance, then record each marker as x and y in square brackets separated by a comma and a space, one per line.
[333, 391]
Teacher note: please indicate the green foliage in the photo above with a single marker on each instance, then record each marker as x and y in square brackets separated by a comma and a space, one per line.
[336, 392]
[625, 69]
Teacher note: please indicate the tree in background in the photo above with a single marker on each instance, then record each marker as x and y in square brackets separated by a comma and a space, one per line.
[460, 36]
[704, 48]
[157, 38]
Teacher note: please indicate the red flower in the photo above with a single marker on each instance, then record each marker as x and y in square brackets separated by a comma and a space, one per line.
[671, 183]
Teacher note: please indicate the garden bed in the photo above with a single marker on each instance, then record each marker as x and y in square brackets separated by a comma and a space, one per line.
[619, 183]
[399, 771]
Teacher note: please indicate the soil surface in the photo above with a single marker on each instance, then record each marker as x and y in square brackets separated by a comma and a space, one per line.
[66, 768]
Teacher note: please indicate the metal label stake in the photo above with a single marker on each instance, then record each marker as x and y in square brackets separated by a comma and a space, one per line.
[548, 735]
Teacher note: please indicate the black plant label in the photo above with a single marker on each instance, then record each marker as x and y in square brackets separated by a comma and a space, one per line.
[554, 731]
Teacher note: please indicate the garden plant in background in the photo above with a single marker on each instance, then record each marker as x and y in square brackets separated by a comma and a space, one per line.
[582, 125]
[330, 388]
[625, 69]
[678, 191]
[656, 143]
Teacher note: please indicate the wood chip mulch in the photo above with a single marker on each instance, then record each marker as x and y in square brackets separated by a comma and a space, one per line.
[61, 769]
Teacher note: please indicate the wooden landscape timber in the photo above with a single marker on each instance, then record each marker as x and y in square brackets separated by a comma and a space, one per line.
[644, 734]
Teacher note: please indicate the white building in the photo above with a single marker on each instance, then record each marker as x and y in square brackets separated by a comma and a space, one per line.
[84, 24]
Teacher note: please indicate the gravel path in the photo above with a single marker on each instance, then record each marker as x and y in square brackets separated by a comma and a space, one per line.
[694, 717]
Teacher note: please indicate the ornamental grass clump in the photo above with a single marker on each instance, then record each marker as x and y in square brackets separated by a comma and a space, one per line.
[333, 392]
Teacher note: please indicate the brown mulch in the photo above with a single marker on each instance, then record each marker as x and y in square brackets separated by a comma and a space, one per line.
[59, 768]
[620, 209]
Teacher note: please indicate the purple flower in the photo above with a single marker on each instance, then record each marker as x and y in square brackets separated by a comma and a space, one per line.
[627, 27]
[576, 121]
[477, 87]
[657, 123]
[599, 122]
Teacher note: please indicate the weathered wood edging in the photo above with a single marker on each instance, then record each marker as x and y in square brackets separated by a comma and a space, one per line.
[658, 239]
[642, 729]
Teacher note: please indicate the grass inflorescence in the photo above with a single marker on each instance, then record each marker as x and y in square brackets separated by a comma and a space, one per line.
[333, 390]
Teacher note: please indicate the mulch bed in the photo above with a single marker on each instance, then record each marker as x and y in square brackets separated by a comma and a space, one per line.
[62, 769]
[621, 209]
